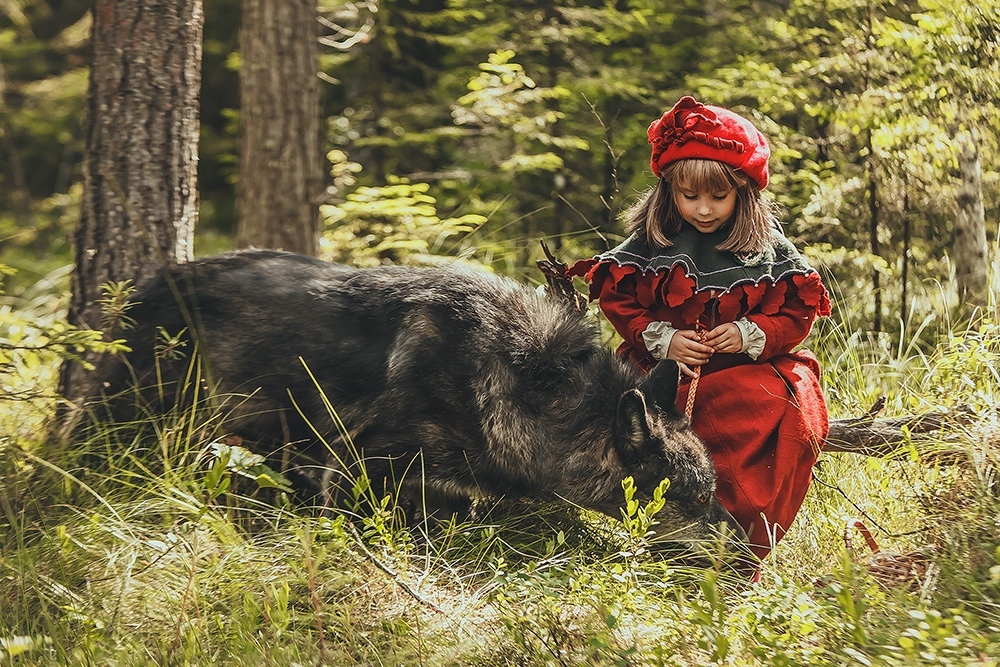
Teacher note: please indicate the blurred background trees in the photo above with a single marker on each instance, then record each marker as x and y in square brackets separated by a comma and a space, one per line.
[474, 129]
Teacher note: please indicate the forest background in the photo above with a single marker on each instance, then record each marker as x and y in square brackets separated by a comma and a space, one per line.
[485, 126]
[474, 129]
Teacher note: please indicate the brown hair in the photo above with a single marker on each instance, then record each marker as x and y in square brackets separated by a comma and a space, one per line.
[655, 214]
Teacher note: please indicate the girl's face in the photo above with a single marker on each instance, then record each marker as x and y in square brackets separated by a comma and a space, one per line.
[705, 210]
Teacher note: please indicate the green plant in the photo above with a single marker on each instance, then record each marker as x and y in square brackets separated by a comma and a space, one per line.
[938, 639]
[709, 615]
[639, 519]
[397, 222]
[35, 340]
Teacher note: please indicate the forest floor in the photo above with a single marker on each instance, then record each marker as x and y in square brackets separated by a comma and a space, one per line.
[168, 554]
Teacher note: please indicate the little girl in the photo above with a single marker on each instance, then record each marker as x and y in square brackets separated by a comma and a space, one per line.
[707, 279]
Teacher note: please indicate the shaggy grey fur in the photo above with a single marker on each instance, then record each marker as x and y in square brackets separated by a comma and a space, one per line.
[452, 383]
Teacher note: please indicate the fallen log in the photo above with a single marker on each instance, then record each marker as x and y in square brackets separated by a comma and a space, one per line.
[891, 436]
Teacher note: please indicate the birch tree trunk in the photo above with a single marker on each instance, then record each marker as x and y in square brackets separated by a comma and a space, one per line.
[140, 200]
[970, 249]
[280, 170]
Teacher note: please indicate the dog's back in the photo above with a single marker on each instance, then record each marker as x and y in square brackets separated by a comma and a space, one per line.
[454, 357]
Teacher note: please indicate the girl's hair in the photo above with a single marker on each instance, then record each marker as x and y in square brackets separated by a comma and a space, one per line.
[655, 214]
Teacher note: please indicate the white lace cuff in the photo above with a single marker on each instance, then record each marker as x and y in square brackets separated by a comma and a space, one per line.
[753, 338]
[657, 337]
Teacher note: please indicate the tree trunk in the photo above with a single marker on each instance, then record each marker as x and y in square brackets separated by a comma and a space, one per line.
[280, 171]
[874, 244]
[561, 176]
[140, 200]
[969, 249]
[904, 273]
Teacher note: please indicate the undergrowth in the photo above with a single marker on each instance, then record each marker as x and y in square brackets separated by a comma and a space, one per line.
[177, 547]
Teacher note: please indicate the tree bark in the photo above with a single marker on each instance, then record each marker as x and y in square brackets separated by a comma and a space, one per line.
[280, 171]
[969, 248]
[140, 200]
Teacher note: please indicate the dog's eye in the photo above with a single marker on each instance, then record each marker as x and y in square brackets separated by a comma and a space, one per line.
[703, 498]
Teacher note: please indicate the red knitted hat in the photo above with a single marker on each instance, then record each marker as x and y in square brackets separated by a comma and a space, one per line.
[694, 130]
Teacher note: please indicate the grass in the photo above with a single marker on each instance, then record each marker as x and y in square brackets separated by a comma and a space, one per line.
[155, 559]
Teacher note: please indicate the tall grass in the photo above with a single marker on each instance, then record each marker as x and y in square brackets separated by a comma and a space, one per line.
[163, 550]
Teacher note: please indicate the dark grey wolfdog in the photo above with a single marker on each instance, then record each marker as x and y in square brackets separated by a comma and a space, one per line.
[450, 383]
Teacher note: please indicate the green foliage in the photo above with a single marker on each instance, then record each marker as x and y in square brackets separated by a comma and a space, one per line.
[968, 367]
[240, 461]
[42, 89]
[505, 100]
[937, 639]
[638, 519]
[170, 346]
[710, 616]
[35, 339]
[395, 223]
[862, 103]
[114, 304]
[789, 626]
[533, 116]
[219, 115]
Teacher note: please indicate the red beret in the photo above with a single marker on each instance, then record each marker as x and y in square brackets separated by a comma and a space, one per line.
[693, 130]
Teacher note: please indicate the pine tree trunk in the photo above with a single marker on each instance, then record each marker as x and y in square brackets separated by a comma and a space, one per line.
[970, 249]
[280, 177]
[140, 200]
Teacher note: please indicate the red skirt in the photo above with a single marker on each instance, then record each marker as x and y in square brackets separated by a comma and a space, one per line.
[764, 424]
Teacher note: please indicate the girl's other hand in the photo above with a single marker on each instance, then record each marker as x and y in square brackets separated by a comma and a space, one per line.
[687, 350]
[725, 338]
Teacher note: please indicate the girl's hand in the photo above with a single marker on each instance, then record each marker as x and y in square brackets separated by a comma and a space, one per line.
[725, 338]
[687, 350]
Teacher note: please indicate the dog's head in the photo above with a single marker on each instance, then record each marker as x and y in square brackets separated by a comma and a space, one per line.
[654, 441]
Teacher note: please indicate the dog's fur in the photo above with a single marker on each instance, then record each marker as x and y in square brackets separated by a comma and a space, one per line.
[451, 382]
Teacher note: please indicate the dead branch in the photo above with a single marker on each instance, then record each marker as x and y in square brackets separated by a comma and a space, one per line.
[396, 578]
[877, 437]
[560, 284]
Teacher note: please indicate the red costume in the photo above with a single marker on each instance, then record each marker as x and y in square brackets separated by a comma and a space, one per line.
[763, 420]
[761, 411]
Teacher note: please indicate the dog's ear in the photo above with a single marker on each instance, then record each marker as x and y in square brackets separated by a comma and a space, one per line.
[631, 425]
[660, 386]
